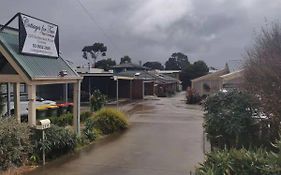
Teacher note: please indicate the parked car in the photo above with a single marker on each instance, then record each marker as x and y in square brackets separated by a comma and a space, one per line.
[24, 104]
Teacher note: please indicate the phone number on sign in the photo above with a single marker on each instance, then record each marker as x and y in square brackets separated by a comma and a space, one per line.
[38, 46]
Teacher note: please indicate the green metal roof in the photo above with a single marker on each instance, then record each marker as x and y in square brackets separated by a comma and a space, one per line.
[35, 66]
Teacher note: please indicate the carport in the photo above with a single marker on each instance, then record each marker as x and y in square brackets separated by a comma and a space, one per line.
[34, 70]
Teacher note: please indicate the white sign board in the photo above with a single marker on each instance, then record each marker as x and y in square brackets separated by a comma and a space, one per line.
[38, 37]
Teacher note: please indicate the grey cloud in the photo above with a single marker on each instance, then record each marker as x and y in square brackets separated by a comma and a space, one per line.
[215, 31]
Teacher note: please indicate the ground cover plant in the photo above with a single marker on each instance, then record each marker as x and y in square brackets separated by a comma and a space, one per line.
[242, 161]
[62, 120]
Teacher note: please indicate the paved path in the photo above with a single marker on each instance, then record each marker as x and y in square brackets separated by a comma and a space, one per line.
[165, 138]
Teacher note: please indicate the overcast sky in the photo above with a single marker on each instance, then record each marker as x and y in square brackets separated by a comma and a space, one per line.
[216, 31]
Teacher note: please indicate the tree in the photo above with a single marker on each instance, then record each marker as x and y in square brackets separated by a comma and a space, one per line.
[191, 71]
[125, 59]
[154, 65]
[177, 61]
[105, 64]
[96, 50]
[262, 73]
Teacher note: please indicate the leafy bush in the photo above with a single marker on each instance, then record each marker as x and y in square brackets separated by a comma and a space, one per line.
[85, 115]
[62, 120]
[58, 141]
[89, 131]
[15, 145]
[233, 161]
[231, 120]
[97, 100]
[242, 161]
[109, 120]
[192, 97]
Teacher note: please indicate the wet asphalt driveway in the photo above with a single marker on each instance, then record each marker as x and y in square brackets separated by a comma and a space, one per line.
[165, 138]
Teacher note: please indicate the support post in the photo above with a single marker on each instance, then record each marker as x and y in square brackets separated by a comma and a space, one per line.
[31, 105]
[65, 92]
[17, 108]
[131, 90]
[143, 89]
[76, 106]
[43, 138]
[90, 89]
[117, 92]
[9, 99]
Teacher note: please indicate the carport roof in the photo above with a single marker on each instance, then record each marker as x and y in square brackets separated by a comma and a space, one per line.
[35, 67]
[149, 75]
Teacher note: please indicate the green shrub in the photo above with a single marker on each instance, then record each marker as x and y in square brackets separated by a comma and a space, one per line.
[15, 145]
[192, 97]
[62, 120]
[231, 120]
[109, 120]
[58, 141]
[89, 131]
[85, 115]
[233, 161]
[97, 100]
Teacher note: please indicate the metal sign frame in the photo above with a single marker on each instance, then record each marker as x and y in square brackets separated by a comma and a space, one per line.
[23, 35]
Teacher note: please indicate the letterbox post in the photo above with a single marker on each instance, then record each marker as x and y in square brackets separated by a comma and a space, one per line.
[43, 138]
[42, 125]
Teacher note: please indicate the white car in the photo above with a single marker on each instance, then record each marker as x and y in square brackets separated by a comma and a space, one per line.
[24, 104]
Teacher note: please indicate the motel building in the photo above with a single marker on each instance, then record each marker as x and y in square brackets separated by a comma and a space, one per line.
[29, 56]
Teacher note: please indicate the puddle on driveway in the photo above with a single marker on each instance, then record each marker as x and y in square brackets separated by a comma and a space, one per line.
[140, 108]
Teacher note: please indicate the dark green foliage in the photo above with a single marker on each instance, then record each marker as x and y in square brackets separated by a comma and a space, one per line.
[62, 120]
[58, 141]
[242, 161]
[177, 61]
[192, 71]
[125, 59]
[15, 145]
[95, 50]
[154, 65]
[97, 100]
[192, 97]
[233, 161]
[231, 120]
[89, 131]
[105, 64]
[109, 120]
[85, 115]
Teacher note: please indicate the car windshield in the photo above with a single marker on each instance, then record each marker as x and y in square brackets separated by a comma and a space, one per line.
[23, 97]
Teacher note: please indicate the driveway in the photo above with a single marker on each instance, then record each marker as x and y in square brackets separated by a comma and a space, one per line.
[165, 138]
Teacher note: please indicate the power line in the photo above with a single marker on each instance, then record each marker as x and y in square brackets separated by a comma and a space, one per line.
[99, 27]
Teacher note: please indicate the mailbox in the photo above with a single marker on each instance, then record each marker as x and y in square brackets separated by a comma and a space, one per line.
[43, 124]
